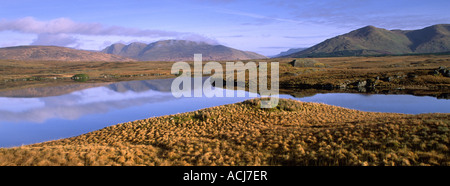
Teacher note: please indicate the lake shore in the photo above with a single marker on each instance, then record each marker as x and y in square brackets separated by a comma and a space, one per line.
[294, 133]
[418, 75]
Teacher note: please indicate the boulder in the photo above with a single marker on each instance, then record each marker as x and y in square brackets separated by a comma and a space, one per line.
[342, 86]
[361, 83]
[441, 70]
[303, 63]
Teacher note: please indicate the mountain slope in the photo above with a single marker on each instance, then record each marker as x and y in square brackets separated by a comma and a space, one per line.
[55, 53]
[430, 39]
[178, 50]
[371, 40]
[288, 52]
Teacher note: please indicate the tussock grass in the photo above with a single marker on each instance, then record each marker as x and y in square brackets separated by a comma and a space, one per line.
[294, 133]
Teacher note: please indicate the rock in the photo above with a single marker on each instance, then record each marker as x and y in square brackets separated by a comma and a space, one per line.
[361, 83]
[303, 62]
[292, 63]
[441, 70]
[342, 86]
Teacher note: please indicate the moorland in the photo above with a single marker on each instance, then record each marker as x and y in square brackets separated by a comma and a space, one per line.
[416, 74]
[293, 133]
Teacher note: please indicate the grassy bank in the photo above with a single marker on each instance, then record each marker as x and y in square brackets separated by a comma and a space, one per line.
[24, 74]
[386, 72]
[294, 133]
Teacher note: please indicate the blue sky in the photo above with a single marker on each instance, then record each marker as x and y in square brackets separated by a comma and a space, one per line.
[266, 26]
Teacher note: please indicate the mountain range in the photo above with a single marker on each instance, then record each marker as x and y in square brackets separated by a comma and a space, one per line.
[371, 40]
[178, 50]
[368, 40]
[55, 53]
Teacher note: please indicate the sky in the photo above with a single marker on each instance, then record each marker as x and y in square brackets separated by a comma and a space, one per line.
[267, 27]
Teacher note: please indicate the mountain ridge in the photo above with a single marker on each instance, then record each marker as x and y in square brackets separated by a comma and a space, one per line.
[55, 53]
[370, 40]
[178, 50]
[289, 51]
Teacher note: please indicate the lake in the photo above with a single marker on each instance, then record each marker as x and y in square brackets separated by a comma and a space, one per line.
[41, 114]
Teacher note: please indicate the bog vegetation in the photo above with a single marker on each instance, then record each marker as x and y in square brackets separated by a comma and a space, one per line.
[294, 133]
[420, 72]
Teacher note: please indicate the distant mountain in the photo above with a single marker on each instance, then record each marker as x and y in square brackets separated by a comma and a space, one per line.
[178, 50]
[55, 53]
[371, 40]
[288, 52]
[430, 39]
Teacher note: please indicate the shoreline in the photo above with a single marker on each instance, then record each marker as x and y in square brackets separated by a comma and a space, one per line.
[228, 128]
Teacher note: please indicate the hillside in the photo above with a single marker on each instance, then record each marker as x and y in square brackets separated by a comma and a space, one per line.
[288, 52]
[430, 39]
[55, 53]
[294, 133]
[178, 50]
[371, 40]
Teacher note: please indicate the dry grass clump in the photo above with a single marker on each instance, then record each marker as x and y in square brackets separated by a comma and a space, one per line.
[294, 133]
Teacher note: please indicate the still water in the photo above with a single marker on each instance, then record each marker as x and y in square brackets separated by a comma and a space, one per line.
[35, 115]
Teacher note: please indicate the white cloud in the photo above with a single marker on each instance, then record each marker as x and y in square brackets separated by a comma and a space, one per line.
[62, 31]
[55, 39]
[67, 26]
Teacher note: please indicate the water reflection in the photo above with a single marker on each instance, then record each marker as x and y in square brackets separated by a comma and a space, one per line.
[93, 100]
[41, 114]
[407, 104]
[74, 105]
[32, 119]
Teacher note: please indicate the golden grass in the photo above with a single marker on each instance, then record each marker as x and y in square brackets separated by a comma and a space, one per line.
[294, 133]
